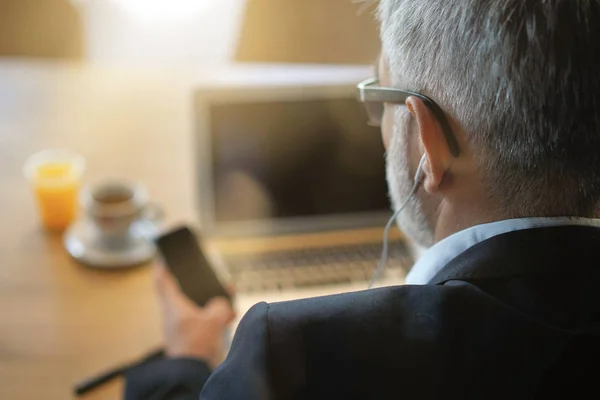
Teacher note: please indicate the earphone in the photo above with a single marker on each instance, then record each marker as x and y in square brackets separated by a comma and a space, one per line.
[419, 175]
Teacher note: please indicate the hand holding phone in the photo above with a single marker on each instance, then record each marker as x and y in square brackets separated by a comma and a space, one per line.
[185, 259]
[190, 331]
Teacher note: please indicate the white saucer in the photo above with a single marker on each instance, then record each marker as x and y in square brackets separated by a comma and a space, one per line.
[82, 241]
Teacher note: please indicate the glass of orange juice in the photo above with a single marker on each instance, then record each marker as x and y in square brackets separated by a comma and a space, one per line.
[55, 176]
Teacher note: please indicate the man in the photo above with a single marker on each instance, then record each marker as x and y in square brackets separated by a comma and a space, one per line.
[503, 106]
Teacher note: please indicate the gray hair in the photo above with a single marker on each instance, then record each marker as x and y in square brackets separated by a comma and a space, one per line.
[522, 78]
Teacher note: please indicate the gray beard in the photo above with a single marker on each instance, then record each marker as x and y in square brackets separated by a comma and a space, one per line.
[412, 221]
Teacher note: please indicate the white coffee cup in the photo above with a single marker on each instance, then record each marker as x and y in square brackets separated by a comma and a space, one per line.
[115, 206]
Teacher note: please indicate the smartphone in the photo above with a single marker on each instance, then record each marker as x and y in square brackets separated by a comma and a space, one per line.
[185, 259]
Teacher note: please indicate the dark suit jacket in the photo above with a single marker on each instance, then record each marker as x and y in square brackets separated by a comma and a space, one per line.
[515, 316]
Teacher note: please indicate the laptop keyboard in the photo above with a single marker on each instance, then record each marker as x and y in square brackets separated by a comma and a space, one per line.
[280, 270]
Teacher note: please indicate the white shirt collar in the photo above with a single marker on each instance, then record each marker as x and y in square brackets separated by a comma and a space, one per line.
[440, 254]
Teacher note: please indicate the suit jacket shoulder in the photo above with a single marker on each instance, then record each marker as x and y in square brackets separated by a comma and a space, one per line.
[513, 332]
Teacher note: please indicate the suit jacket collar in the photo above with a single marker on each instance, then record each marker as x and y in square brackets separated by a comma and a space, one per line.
[526, 252]
[444, 251]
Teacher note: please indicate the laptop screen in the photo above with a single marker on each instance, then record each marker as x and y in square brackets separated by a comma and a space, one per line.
[295, 158]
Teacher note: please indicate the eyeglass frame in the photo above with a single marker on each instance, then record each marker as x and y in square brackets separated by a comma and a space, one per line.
[370, 91]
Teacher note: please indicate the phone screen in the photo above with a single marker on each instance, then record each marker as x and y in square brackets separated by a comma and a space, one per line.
[183, 256]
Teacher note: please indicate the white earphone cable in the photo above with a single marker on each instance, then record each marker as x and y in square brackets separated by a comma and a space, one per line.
[386, 231]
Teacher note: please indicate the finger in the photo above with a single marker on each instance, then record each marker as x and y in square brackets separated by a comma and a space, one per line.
[219, 310]
[169, 290]
[158, 277]
[230, 289]
[158, 272]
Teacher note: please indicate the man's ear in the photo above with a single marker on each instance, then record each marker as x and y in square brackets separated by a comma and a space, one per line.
[433, 143]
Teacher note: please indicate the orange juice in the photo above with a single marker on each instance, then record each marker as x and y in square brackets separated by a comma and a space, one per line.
[56, 189]
[55, 176]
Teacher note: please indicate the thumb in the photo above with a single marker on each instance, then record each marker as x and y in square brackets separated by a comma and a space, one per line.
[168, 288]
[219, 310]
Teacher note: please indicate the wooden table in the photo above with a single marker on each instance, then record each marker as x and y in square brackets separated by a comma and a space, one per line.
[60, 321]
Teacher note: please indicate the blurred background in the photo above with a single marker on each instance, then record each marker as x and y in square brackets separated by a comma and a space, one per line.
[73, 72]
[188, 33]
[121, 83]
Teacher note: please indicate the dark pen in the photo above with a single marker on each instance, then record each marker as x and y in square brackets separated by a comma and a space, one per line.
[91, 383]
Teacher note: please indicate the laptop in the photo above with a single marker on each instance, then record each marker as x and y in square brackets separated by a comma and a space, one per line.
[291, 179]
